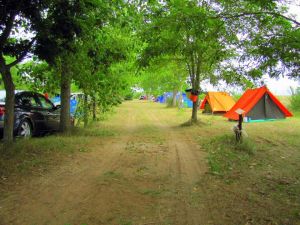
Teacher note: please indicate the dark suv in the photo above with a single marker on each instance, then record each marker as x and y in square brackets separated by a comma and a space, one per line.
[34, 114]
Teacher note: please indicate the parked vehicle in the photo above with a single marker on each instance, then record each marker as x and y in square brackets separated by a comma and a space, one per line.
[34, 114]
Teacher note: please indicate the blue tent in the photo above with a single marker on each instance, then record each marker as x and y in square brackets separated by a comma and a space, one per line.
[186, 101]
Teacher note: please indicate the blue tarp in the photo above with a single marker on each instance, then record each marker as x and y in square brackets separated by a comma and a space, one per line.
[186, 101]
[73, 103]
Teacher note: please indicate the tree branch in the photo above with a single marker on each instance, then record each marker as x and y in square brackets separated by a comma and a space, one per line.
[7, 30]
[229, 16]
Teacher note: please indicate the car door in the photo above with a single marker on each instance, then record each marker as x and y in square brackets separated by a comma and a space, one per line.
[27, 106]
[51, 112]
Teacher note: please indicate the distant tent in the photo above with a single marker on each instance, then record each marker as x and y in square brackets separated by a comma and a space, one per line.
[259, 104]
[217, 102]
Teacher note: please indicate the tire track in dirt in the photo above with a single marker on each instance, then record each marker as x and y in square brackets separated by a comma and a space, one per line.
[186, 165]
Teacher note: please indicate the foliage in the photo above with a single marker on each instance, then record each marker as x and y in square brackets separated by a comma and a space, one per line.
[236, 96]
[39, 76]
[295, 100]
[18, 23]
[163, 74]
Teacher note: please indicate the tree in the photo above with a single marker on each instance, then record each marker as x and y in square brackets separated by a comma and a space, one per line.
[103, 54]
[185, 28]
[19, 20]
[230, 40]
[165, 73]
[60, 39]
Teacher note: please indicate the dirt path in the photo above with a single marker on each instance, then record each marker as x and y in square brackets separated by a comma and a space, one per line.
[147, 174]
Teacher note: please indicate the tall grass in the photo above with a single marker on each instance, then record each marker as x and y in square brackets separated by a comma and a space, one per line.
[295, 100]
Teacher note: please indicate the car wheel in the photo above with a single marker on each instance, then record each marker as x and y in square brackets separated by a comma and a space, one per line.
[25, 129]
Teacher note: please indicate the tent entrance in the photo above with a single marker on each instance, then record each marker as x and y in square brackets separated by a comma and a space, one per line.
[265, 109]
[207, 108]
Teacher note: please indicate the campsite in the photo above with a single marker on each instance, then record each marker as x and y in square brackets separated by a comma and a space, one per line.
[161, 112]
[144, 167]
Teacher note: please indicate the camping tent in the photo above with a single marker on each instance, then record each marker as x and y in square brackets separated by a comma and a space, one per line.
[216, 102]
[185, 100]
[259, 104]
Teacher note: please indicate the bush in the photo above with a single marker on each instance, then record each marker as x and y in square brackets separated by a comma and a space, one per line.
[295, 100]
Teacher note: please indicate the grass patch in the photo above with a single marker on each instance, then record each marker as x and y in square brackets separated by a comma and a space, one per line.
[110, 176]
[125, 222]
[97, 133]
[152, 192]
[93, 131]
[36, 153]
[225, 154]
[156, 192]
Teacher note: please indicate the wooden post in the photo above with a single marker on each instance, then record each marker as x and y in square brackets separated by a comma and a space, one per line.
[238, 130]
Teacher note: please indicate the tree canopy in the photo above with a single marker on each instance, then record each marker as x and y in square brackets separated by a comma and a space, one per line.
[106, 48]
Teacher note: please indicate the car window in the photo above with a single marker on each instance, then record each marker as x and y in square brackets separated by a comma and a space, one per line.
[46, 104]
[2, 96]
[26, 100]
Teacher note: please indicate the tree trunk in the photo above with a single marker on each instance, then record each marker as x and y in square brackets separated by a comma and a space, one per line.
[196, 87]
[194, 112]
[85, 111]
[65, 91]
[174, 98]
[9, 103]
[94, 108]
[9, 107]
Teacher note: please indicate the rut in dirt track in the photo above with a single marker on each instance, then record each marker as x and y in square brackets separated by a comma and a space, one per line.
[148, 173]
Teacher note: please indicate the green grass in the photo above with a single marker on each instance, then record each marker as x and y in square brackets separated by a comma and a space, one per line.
[29, 154]
[225, 154]
[152, 192]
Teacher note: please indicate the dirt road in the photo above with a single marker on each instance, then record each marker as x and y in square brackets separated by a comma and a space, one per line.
[149, 172]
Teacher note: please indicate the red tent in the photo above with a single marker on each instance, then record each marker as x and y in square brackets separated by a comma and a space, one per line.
[259, 104]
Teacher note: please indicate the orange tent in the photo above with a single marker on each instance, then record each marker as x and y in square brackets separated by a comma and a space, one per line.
[259, 104]
[217, 102]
